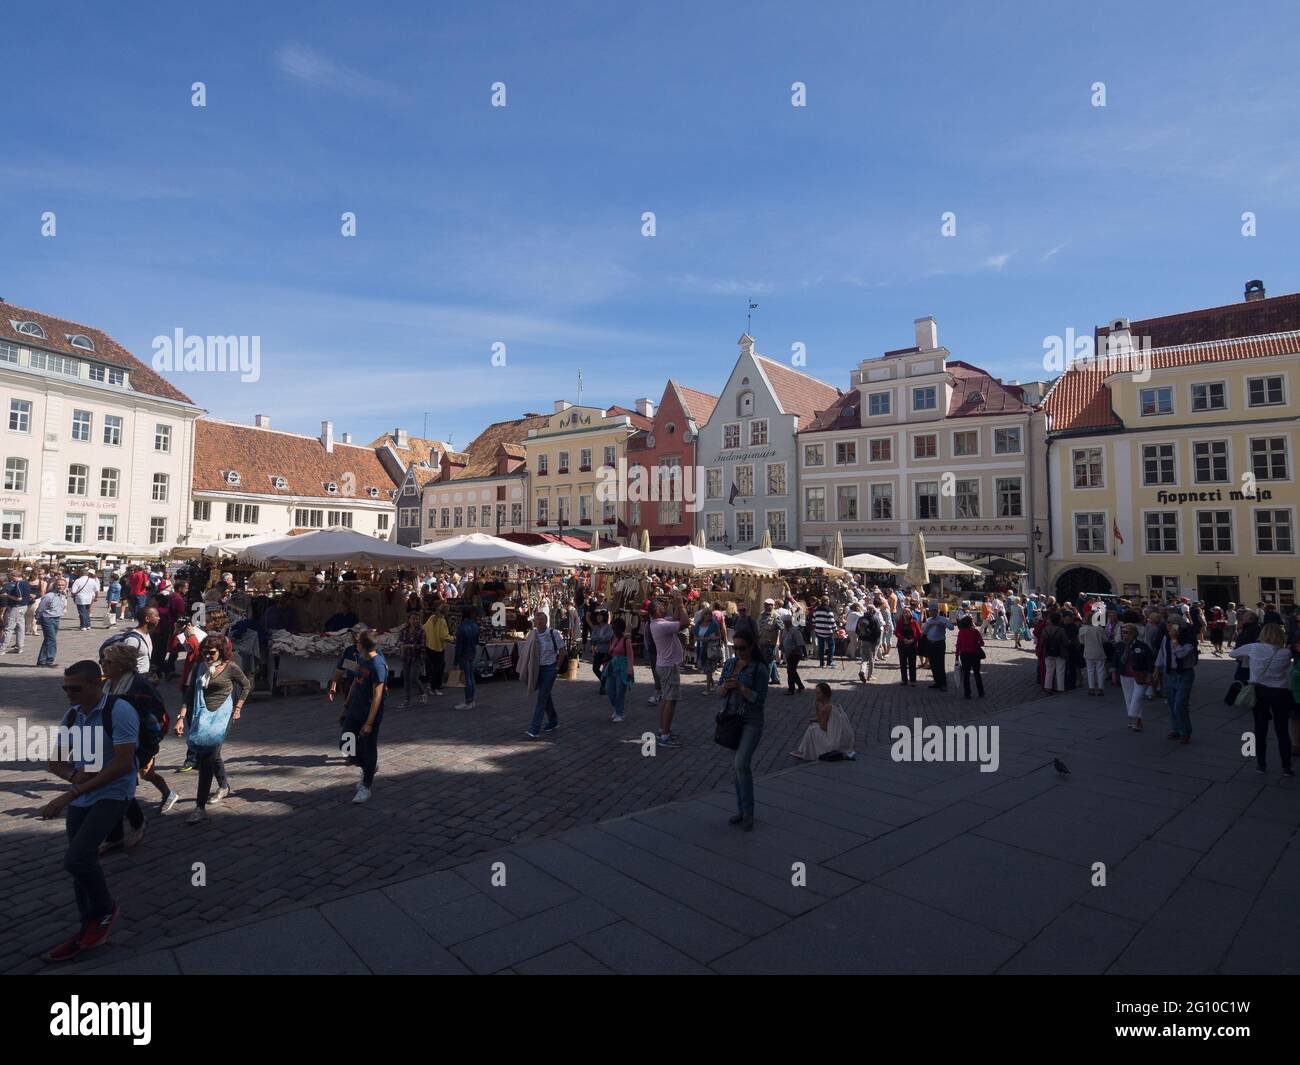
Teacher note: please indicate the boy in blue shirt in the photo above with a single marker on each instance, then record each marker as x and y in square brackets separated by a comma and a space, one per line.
[364, 710]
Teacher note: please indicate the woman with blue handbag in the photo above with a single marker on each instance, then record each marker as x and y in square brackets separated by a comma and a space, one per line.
[216, 695]
[743, 685]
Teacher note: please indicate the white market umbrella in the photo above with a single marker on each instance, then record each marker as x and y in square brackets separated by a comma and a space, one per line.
[946, 565]
[613, 556]
[872, 563]
[562, 554]
[699, 540]
[223, 549]
[837, 551]
[645, 541]
[692, 559]
[481, 549]
[332, 545]
[916, 573]
[767, 539]
[780, 560]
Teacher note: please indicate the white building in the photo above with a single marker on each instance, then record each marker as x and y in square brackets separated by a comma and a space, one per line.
[251, 480]
[96, 447]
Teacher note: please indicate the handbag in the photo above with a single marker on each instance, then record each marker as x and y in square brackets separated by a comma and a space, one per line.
[1234, 690]
[1245, 698]
[209, 729]
[727, 729]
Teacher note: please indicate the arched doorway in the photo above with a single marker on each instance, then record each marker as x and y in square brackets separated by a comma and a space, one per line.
[1080, 579]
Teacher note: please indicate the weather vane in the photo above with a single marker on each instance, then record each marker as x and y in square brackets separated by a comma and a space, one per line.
[749, 317]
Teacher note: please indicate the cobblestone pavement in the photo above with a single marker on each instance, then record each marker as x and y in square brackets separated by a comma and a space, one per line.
[451, 784]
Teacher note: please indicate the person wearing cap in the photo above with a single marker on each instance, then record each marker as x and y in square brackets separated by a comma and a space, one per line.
[85, 590]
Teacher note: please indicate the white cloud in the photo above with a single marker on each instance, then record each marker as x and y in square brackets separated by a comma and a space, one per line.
[1048, 255]
[997, 262]
[723, 286]
[305, 66]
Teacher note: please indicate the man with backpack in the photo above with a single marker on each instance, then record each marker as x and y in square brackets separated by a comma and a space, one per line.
[870, 627]
[102, 732]
[140, 638]
[1056, 648]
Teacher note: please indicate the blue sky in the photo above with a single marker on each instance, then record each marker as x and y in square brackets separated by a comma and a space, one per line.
[522, 225]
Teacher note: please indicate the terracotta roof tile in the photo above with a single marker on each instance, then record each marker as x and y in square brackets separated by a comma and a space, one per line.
[975, 392]
[798, 393]
[418, 450]
[481, 455]
[639, 421]
[257, 455]
[1081, 398]
[1277, 314]
[57, 330]
[699, 405]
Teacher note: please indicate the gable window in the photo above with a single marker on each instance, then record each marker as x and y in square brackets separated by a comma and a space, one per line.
[745, 404]
[1153, 401]
[758, 432]
[731, 435]
[878, 404]
[1212, 396]
[1265, 391]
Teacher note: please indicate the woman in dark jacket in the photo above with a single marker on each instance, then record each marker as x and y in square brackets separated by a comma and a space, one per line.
[1074, 654]
[743, 685]
[218, 688]
[907, 637]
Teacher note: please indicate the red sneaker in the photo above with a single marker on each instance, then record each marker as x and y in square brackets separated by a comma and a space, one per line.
[97, 931]
[65, 951]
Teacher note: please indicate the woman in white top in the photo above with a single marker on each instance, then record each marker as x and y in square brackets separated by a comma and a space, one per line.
[1270, 671]
[1093, 639]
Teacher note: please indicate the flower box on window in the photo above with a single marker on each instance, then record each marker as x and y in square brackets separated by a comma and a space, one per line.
[563, 469]
[541, 523]
[584, 521]
[607, 521]
[541, 473]
[584, 469]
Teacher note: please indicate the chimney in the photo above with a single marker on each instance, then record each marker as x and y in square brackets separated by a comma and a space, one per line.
[402, 437]
[327, 436]
[645, 408]
[347, 438]
[927, 333]
[1119, 341]
[1254, 291]
[262, 421]
[562, 405]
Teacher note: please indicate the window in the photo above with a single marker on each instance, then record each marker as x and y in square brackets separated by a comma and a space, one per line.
[112, 430]
[1273, 532]
[562, 462]
[343, 518]
[1214, 530]
[846, 452]
[608, 512]
[927, 499]
[715, 526]
[1162, 531]
[610, 456]
[1087, 467]
[776, 478]
[471, 516]
[878, 404]
[776, 526]
[432, 520]
[542, 465]
[106, 374]
[81, 420]
[1280, 591]
[731, 435]
[925, 446]
[80, 340]
[381, 524]
[846, 502]
[407, 518]
[543, 511]
[584, 510]
[1268, 458]
[30, 329]
[814, 454]
[1211, 396]
[882, 502]
[500, 516]
[516, 514]
[634, 513]
[562, 510]
[1007, 442]
[814, 504]
[106, 528]
[20, 416]
[74, 528]
[758, 432]
[162, 438]
[881, 449]
[584, 459]
[745, 404]
[78, 476]
[1163, 589]
[965, 443]
[314, 519]
[161, 482]
[445, 515]
[15, 475]
[8, 353]
[1010, 497]
[968, 498]
[1158, 464]
[1265, 391]
[202, 511]
[745, 481]
[243, 513]
[1156, 400]
[1211, 460]
[157, 530]
[108, 482]
[926, 398]
[1090, 533]
[713, 482]
[457, 517]
[60, 364]
[744, 526]
[11, 525]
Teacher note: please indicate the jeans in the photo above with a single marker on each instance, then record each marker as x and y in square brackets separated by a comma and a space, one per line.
[598, 660]
[545, 705]
[970, 663]
[88, 827]
[466, 666]
[793, 679]
[15, 622]
[616, 689]
[751, 732]
[138, 603]
[209, 763]
[83, 615]
[1277, 703]
[50, 644]
[907, 662]
[825, 650]
[937, 651]
[1178, 693]
[367, 750]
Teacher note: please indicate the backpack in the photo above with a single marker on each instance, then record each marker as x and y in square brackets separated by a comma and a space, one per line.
[1058, 644]
[151, 731]
[868, 628]
[1141, 658]
[118, 637]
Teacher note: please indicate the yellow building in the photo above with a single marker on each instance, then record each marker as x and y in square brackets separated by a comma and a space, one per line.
[565, 457]
[1171, 458]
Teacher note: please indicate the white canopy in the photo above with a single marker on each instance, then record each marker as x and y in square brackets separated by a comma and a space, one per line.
[563, 554]
[872, 563]
[222, 549]
[779, 559]
[948, 566]
[613, 556]
[482, 549]
[335, 544]
[691, 559]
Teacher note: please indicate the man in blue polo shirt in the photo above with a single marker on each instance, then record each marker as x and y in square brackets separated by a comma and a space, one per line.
[103, 782]
[17, 598]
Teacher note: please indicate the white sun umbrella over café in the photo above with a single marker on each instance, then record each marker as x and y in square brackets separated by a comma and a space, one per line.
[563, 554]
[613, 556]
[780, 560]
[872, 563]
[223, 549]
[482, 549]
[691, 559]
[947, 566]
[332, 546]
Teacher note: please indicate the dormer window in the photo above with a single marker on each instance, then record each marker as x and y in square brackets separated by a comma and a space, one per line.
[373, 493]
[232, 477]
[30, 329]
[332, 488]
[80, 340]
[279, 482]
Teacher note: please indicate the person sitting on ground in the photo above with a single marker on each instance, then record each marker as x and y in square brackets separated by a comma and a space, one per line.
[829, 732]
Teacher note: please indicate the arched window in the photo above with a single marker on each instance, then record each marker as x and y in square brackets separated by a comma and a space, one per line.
[745, 404]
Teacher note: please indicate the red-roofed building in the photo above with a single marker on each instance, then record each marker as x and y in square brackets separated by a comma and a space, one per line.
[1172, 457]
[923, 442]
[97, 446]
[661, 459]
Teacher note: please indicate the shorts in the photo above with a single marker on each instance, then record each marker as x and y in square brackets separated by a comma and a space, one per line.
[669, 679]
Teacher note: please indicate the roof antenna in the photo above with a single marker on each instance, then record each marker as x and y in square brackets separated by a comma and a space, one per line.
[579, 386]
